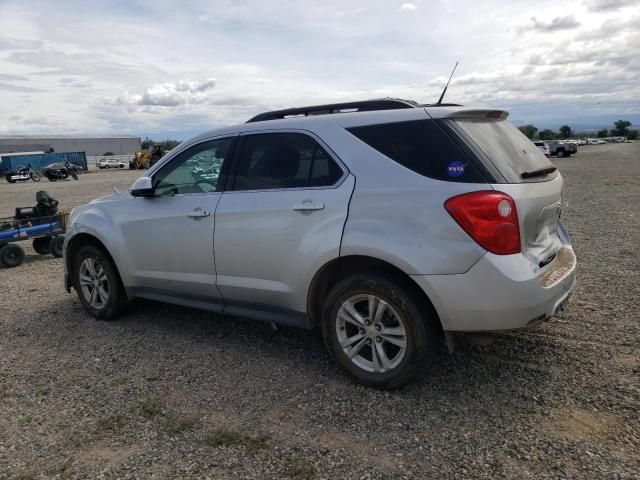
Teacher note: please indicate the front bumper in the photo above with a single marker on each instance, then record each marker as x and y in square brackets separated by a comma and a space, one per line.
[501, 292]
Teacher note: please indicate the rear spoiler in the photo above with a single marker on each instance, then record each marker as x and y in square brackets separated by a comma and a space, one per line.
[478, 113]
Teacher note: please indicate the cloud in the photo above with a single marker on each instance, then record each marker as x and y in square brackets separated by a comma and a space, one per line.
[559, 23]
[142, 78]
[182, 92]
[12, 78]
[609, 5]
[408, 7]
[9, 87]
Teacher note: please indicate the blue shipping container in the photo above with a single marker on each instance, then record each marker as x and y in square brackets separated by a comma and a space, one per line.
[12, 163]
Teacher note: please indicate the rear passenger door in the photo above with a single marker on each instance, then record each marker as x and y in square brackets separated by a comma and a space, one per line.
[280, 218]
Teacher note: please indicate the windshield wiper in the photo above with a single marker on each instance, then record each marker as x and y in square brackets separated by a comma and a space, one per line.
[538, 173]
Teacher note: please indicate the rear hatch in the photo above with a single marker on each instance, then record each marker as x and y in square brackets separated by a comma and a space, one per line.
[520, 170]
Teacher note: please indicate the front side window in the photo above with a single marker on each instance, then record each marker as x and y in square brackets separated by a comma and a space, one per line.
[196, 170]
[284, 160]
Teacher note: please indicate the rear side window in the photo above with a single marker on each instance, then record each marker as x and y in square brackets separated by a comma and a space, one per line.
[421, 146]
[510, 151]
[284, 160]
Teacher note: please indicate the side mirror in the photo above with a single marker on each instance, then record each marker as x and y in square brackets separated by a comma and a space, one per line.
[142, 187]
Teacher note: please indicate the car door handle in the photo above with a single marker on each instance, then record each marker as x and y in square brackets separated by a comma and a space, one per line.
[197, 213]
[307, 205]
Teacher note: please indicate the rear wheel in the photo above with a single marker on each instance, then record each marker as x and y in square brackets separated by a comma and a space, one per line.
[11, 255]
[41, 245]
[97, 283]
[379, 330]
[56, 246]
[9, 178]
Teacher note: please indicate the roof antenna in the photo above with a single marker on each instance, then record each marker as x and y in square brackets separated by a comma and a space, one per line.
[445, 87]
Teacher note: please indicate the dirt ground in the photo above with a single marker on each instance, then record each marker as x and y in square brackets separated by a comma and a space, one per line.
[169, 392]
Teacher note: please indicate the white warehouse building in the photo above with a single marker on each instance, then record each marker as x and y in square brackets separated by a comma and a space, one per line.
[92, 145]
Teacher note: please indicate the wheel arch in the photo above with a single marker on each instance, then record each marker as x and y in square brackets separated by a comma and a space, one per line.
[83, 239]
[341, 267]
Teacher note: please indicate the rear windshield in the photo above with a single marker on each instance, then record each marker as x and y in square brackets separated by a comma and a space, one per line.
[511, 152]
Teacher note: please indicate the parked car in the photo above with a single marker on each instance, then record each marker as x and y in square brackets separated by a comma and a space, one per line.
[559, 148]
[595, 141]
[543, 147]
[387, 227]
[109, 163]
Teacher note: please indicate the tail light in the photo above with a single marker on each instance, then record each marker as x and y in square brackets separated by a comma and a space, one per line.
[490, 218]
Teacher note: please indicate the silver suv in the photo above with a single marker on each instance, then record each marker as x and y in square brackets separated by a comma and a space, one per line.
[386, 223]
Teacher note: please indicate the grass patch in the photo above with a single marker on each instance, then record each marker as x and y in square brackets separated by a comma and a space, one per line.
[301, 471]
[42, 391]
[24, 420]
[177, 425]
[114, 422]
[228, 438]
[150, 408]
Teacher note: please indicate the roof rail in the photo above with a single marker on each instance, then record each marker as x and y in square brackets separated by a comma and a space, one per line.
[362, 106]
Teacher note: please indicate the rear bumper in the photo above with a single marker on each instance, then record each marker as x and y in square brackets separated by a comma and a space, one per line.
[501, 292]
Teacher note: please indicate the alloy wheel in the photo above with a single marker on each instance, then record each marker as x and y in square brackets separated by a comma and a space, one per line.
[94, 283]
[371, 333]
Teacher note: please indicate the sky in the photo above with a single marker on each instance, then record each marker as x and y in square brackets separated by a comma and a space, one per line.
[172, 69]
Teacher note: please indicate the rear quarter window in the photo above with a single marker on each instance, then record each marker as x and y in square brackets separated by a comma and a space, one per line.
[421, 146]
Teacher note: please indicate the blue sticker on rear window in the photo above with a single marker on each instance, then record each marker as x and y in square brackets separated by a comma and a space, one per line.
[456, 169]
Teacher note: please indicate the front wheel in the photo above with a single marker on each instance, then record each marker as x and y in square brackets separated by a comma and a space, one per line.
[379, 330]
[74, 174]
[34, 176]
[97, 283]
[560, 153]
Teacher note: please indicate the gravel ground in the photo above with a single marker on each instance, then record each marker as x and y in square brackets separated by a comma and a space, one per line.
[169, 392]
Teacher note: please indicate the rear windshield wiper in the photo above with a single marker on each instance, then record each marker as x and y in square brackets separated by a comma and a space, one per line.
[538, 173]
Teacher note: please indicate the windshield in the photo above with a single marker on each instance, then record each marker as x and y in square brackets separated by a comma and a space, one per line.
[511, 152]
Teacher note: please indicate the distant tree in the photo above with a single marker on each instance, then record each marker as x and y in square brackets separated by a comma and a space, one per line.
[529, 130]
[147, 144]
[622, 128]
[603, 133]
[565, 131]
[633, 135]
[547, 134]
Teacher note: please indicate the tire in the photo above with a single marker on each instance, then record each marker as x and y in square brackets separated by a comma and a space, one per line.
[55, 246]
[560, 153]
[11, 255]
[74, 174]
[121, 166]
[116, 300]
[51, 178]
[404, 310]
[41, 245]
[34, 176]
[9, 179]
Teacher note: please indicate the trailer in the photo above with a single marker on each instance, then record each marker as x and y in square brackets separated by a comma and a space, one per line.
[46, 234]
